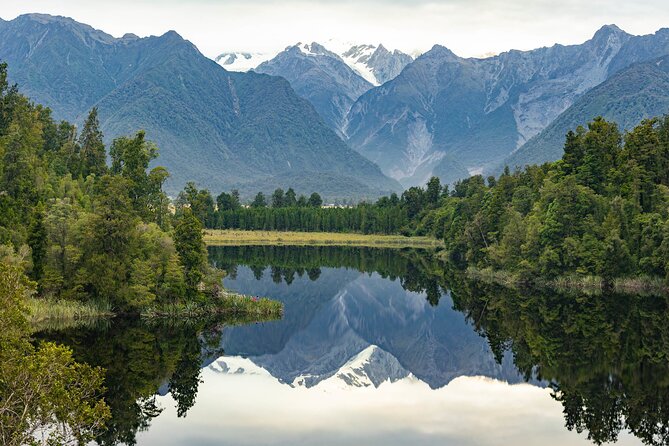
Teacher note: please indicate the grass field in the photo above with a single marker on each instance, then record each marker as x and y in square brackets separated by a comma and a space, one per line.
[236, 237]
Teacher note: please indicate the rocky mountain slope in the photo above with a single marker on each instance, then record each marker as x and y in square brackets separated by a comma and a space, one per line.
[449, 115]
[331, 80]
[218, 128]
[321, 77]
[629, 96]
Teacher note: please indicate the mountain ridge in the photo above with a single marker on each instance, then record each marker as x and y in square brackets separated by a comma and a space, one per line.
[217, 128]
[444, 113]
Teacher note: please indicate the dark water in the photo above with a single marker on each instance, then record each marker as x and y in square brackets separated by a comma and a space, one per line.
[387, 347]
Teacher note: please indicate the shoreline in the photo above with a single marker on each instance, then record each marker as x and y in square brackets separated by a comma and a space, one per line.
[46, 311]
[643, 285]
[234, 237]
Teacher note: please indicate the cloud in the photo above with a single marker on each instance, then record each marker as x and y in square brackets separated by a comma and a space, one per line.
[468, 27]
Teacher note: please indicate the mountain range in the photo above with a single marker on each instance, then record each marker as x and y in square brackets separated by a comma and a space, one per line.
[453, 117]
[359, 329]
[220, 129]
[321, 77]
[353, 121]
[331, 81]
[445, 114]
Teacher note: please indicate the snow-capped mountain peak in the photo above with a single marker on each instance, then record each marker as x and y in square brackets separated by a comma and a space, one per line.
[369, 368]
[241, 61]
[375, 63]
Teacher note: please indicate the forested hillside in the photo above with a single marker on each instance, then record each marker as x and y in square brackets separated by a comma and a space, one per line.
[85, 231]
[603, 210]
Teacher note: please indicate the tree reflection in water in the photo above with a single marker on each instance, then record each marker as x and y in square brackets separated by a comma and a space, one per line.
[604, 356]
[141, 360]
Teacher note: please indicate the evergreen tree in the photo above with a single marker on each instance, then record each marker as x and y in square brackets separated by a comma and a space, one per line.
[37, 240]
[290, 199]
[92, 150]
[259, 201]
[191, 250]
[278, 200]
[315, 200]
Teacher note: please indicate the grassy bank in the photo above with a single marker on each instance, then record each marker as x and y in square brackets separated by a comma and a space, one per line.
[47, 313]
[237, 237]
[249, 307]
[573, 283]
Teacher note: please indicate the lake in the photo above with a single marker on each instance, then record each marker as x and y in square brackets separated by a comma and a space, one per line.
[386, 347]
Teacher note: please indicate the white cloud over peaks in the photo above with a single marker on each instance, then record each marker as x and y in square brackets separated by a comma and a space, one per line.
[468, 27]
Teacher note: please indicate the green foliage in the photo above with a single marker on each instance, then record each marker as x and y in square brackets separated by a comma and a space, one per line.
[191, 249]
[604, 357]
[92, 152]
[43, 391]
[601, 210]
[90, 234]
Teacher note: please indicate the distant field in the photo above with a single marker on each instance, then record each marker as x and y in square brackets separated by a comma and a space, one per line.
[236, 237]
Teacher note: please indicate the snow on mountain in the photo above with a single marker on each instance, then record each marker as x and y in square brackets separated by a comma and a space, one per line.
[241, 61]
[357, 58]
[376, 64]
[369, 368]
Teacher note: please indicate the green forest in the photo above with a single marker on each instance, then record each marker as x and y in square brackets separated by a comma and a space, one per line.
[600, 210]
[83, 230]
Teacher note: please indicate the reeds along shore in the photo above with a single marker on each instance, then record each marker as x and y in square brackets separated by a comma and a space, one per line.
[251, 307]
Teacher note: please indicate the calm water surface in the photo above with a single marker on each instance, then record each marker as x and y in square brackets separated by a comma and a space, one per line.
[386, 347]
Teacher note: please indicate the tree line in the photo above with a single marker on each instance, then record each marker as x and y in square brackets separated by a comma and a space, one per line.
[603, 209]
[600, 210]
[286, 212]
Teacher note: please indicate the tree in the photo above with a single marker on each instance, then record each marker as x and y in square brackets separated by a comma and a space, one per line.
[130, 159]
[259, 201]
[278, 200]
[433, 191]
[228, 202]
[37, 240]
[191, 249]
[92, 150]
[413, 200]
[290, 199]
[200, 203]
[315, 200]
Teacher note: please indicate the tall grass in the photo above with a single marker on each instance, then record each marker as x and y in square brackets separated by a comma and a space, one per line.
[41, 310]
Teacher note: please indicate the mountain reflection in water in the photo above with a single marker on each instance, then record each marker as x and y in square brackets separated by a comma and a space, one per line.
[387, 347]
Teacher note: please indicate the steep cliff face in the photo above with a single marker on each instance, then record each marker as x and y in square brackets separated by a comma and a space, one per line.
[629, 96]
[446, 114]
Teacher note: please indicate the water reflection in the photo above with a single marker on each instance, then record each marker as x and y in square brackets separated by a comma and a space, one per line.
[387, 347]
[143, 360]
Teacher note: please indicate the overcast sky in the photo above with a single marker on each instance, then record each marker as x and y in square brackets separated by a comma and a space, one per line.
[468, 27]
